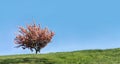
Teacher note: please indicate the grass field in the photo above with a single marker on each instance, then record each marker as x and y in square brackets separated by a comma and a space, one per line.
[108, 56]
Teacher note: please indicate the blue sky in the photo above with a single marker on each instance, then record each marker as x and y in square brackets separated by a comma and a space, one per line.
[78, 24]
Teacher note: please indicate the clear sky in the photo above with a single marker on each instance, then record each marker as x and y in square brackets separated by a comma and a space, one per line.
[78, 24]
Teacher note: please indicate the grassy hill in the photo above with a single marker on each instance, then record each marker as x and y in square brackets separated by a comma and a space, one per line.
[108, 56]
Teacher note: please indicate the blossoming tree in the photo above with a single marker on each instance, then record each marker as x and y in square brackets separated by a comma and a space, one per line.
[33, 37]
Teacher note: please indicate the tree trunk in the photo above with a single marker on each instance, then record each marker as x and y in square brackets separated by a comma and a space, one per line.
[36, 51]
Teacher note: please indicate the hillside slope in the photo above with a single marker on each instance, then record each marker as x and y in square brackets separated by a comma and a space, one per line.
[109, 56]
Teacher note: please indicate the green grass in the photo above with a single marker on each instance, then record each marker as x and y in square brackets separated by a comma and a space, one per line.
[109, 56]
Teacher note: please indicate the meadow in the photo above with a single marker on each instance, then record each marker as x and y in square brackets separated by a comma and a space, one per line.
[98, 56]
